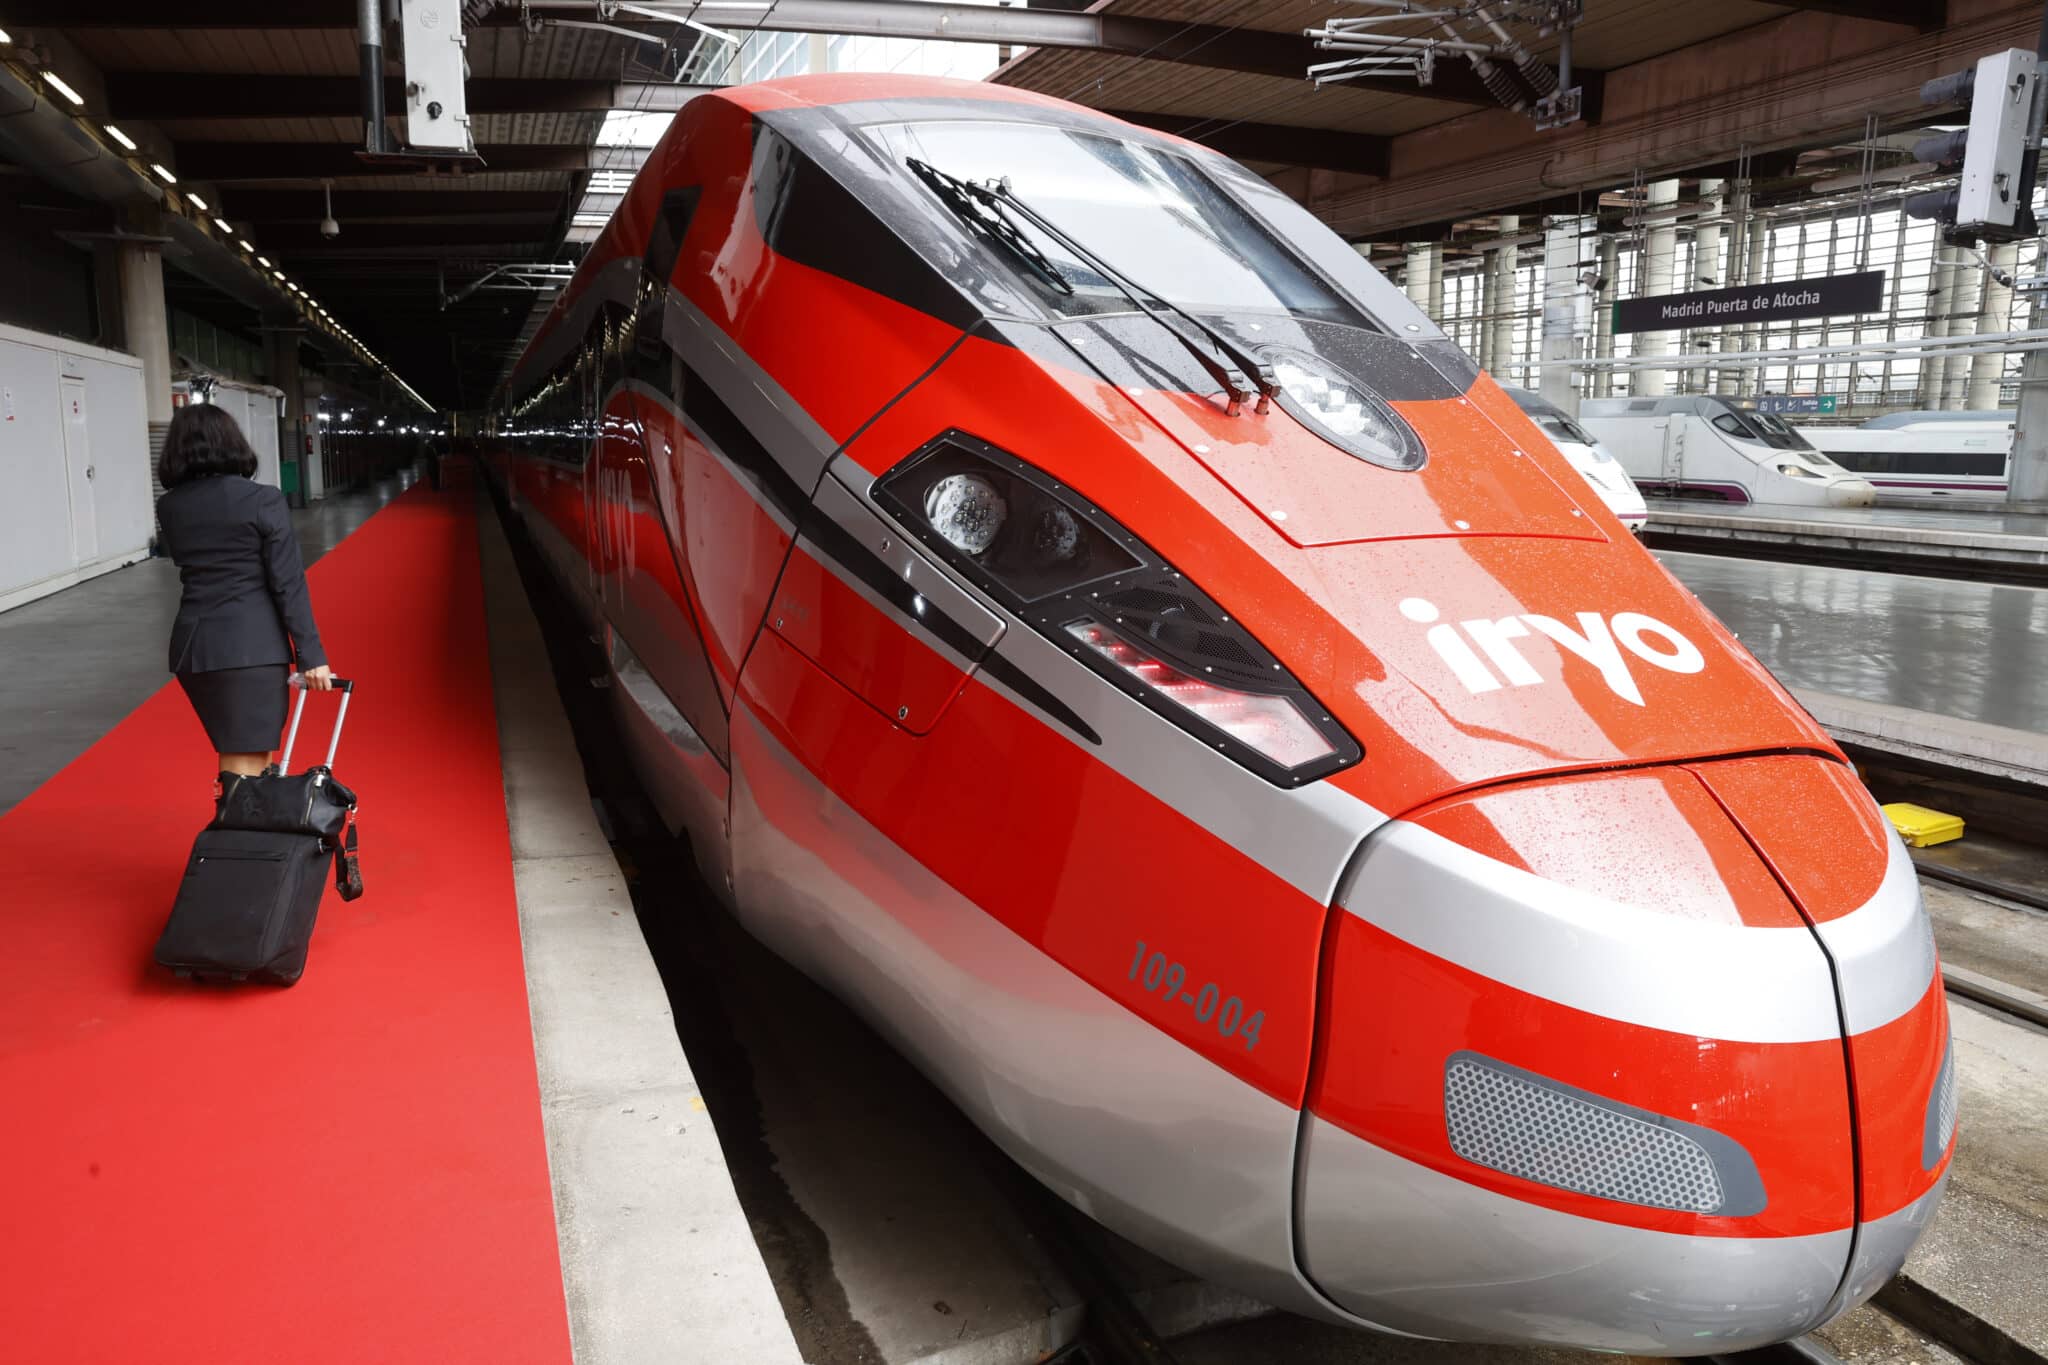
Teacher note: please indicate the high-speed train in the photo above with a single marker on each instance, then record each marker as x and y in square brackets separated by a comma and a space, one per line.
[1706, 446]
[1084, 616]
[1595, 463]
[1918, 454]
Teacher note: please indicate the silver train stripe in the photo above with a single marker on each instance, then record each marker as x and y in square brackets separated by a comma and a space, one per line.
[1633, 964]
[1884, 949]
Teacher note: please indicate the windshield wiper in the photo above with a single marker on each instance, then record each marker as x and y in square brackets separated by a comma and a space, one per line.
[983, 204]
[970, 204]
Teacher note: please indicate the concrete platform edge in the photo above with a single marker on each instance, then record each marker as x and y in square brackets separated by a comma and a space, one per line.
[659, 1263]
[2015, 755]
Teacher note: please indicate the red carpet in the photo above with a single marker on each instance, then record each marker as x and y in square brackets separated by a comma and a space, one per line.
[351, 1170]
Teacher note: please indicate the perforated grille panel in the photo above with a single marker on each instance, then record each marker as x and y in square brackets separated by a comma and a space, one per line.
[1511, 1123]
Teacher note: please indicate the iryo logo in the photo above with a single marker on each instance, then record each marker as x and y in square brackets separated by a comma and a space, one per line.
[1598, 641]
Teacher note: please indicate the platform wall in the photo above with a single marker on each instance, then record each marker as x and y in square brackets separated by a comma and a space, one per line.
[57, 525]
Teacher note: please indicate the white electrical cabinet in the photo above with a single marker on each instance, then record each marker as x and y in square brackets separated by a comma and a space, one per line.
[74, 464]
[436, 104]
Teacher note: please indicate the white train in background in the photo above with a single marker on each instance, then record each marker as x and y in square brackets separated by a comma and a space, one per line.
[1595, 463]
[1925, 454]
[1706, 446]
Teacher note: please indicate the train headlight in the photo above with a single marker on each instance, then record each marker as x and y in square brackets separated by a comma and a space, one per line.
[1344, 412]
[966, 510]
[1077, 577]
[1799, 471]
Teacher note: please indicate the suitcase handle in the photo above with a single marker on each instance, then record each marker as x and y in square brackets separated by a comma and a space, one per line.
[347, 688]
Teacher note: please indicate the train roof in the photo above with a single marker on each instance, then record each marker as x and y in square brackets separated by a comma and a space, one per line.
[1699, 404]
[1894, 421]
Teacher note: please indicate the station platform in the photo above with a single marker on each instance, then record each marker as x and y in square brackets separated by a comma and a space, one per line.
[469, 1133]
[1943, 671]
[1991, 543]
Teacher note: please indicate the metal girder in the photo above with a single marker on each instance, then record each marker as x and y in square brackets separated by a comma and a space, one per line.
[1925, 15]
[241, 161]
[1359, 153]
[414, 206]
[1213, 46]
[302, 243]
[155, 96]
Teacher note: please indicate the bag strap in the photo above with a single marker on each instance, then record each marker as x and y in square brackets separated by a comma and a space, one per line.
[348, 873]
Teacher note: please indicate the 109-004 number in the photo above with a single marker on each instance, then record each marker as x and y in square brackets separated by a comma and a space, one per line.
[1169, 981]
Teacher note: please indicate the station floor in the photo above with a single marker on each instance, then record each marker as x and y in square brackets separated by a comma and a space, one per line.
[1989, 519]
[468, 1133]
[1949, 647]
[73, 663]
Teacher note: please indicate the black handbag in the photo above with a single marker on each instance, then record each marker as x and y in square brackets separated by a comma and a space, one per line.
[313, 802]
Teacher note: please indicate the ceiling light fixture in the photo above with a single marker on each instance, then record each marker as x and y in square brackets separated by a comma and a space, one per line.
[56, 83]
[263, 261]
[328, 227]
[197, 202]
[163, 174]
[119, 136]
[5, 36]
[222, 224]
[243, 243]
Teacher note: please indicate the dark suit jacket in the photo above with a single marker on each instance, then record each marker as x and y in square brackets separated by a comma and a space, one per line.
[245, 597]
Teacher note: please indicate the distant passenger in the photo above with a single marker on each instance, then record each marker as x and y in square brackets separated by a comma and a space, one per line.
[245, 618]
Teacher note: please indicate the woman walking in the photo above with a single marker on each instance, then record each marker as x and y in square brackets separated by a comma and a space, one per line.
[244, 618]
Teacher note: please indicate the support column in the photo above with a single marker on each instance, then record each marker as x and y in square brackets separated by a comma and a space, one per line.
[1435, 306]
[1603, 320]
[1417, 281]
[1660, 251]
[1740, 232]
[2029, 489]
[820, 54]
[1489, 299]
[1993, 316]
[313, 473]
[1501, 262]
[1564, 309]
[281, 340]
[146, 323]
[1941, 274]
[1964, 296]
[1756, 270]
[1706, 252]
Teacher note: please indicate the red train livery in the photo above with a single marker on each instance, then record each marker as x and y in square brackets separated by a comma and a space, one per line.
[1085, 617]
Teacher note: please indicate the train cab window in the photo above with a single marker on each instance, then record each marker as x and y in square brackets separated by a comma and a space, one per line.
[1732, 424]
[1151, 215]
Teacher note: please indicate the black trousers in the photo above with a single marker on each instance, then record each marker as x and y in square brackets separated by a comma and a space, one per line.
[241, 708]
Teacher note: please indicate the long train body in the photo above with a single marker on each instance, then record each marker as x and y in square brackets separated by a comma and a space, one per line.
[1919, 454]
[1307, 832]
[1706, 446]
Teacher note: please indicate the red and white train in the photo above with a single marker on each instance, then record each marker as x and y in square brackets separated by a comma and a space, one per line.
[1086, 618]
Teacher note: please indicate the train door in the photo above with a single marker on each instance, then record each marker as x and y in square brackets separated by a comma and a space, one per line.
[1671, 433]
[79, 472]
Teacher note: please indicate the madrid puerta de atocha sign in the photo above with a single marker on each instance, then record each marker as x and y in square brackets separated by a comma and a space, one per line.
[1829, 296]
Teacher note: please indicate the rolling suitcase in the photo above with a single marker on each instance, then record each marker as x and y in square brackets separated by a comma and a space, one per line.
[252, 887]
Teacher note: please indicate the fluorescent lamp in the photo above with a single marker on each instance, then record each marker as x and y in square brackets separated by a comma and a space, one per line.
[222, 224]
[278, 273]
[119, 136]
[163, 174]
[244, 244]
[5, 36]
[202, 205]
[56, 83]
[263, 261]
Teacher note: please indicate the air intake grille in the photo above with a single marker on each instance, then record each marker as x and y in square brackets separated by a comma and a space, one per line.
[1941, 1112]
[1511, 1122]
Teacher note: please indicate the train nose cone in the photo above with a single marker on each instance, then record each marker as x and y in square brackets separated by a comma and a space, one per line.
[1851, 493]
[1579, 1079]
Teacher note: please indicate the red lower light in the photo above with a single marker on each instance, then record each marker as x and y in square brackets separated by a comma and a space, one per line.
[1272, 725]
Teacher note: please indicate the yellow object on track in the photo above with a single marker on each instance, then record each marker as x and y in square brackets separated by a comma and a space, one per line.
[1921, 827]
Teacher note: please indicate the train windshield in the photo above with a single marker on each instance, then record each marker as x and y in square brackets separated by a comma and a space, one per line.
[1150, 215]
[1559, 427]
[1750, 425]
